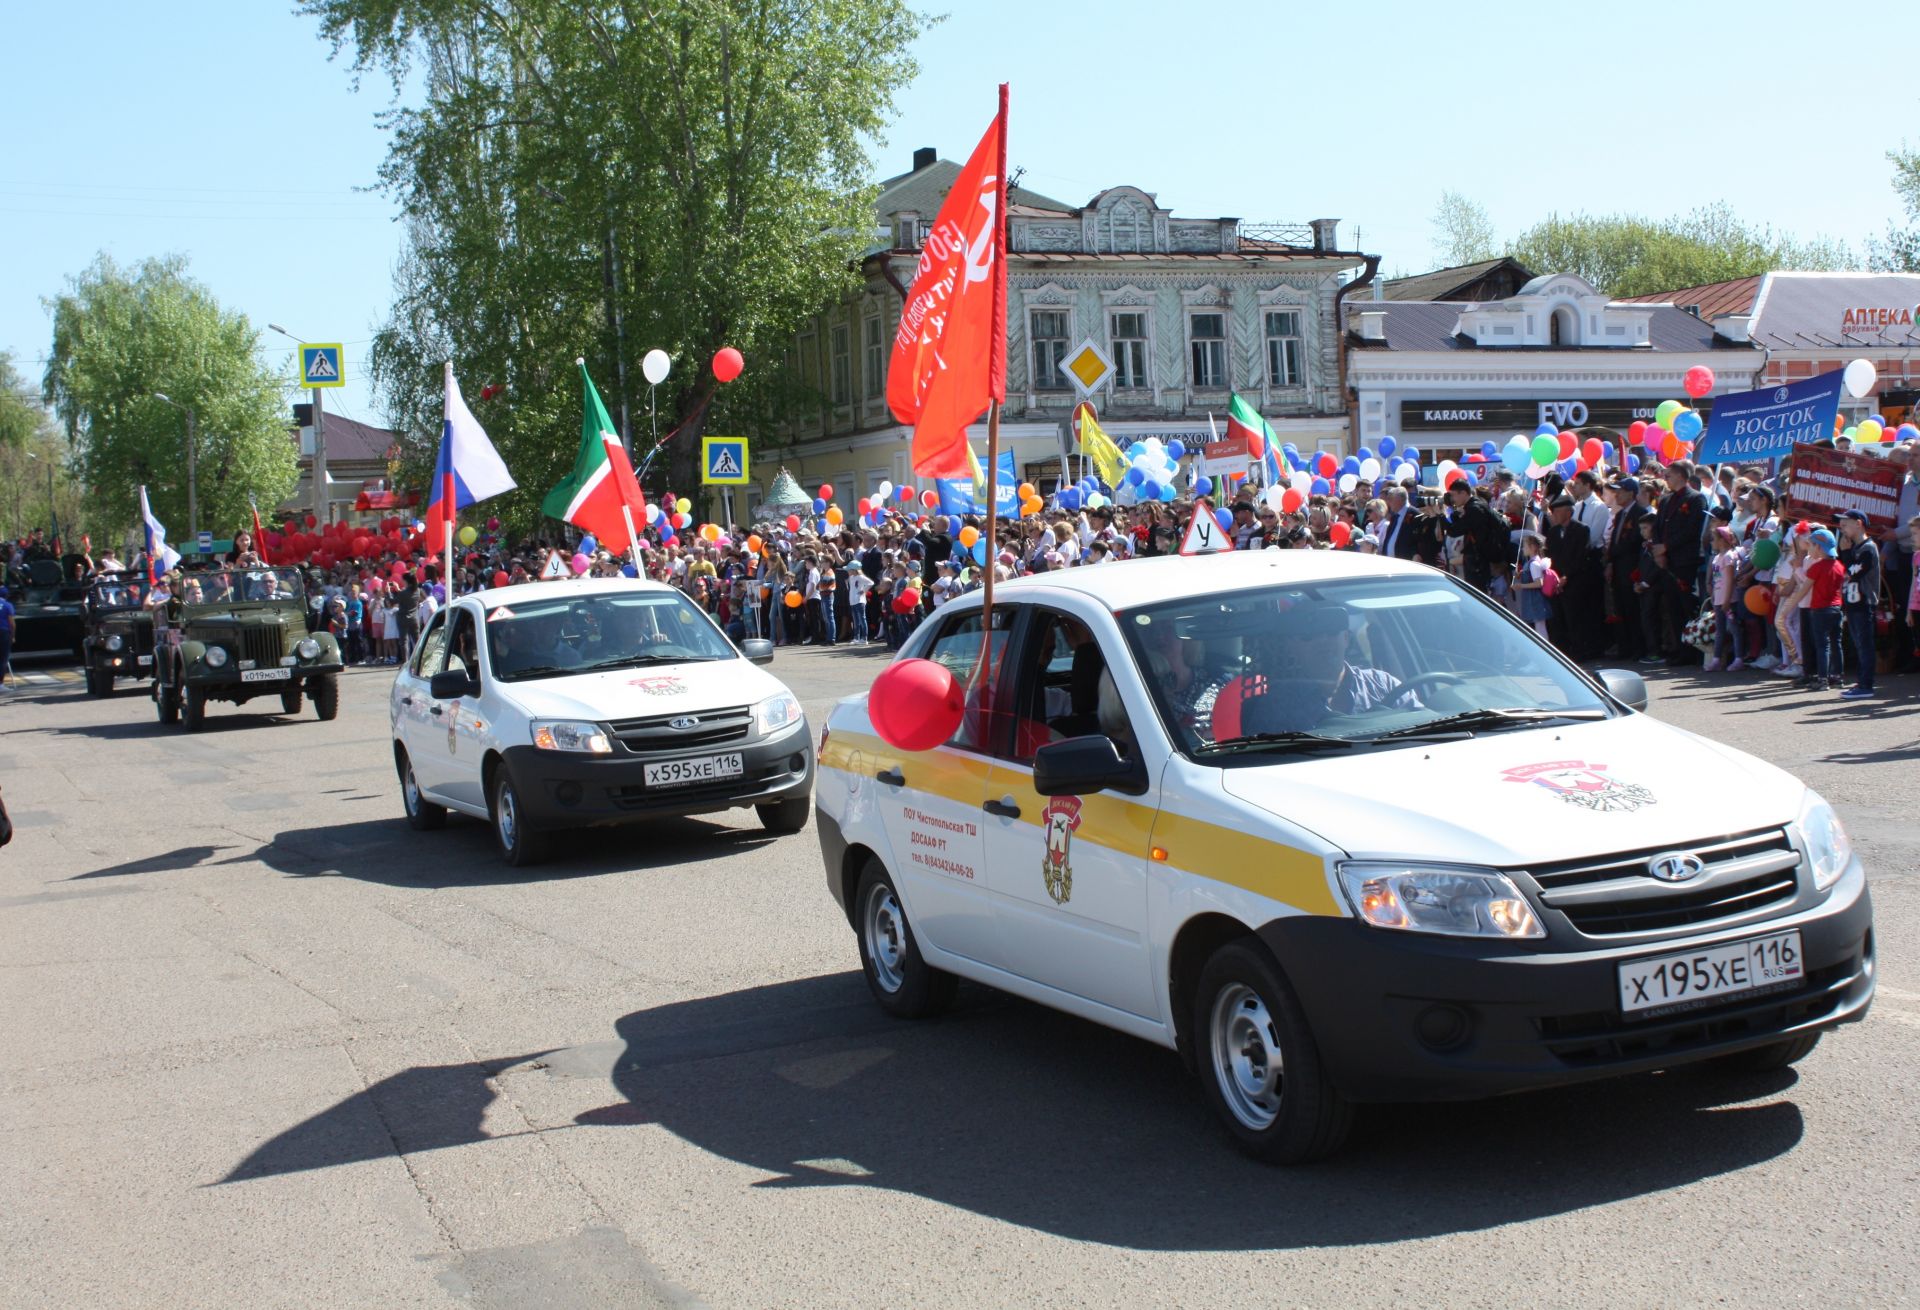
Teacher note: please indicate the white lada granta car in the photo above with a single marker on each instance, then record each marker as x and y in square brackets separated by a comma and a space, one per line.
[595, 701]
[1338, 829]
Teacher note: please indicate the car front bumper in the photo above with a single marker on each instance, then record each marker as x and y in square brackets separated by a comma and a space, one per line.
[1510, 1019]
[228, 679]
[563, 789]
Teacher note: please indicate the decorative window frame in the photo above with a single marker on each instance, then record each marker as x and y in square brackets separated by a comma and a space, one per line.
[1132, 299]
[873, 381]
[1208, 299]
[1047, 296]
[1306, 300]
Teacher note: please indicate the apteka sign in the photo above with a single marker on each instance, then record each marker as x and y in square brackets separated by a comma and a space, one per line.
[1768, 423]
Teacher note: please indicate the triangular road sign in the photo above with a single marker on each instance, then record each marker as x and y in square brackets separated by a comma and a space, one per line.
[555, 566]
[1205, 536]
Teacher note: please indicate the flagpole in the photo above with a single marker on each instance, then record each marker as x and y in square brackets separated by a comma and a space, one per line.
[983, 670]
[447, 565]
[633, 538]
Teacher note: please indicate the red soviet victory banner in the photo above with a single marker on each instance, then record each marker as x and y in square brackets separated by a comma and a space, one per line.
[950, 350]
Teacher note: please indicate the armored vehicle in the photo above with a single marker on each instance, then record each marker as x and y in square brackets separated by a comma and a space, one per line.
[47, 607]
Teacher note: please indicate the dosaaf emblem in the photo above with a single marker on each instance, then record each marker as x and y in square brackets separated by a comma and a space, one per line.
[658, 686]
[1586, 785]
[1057, 824]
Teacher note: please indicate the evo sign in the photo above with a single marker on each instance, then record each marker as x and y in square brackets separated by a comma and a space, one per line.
[1768, 423]
[1523, 415]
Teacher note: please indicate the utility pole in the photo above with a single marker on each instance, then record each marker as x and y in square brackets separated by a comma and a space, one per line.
[193, 479]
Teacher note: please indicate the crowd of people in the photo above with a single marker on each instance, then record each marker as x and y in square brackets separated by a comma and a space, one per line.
[1679, 564]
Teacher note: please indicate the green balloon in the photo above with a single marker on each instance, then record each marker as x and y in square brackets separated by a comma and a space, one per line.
[1664, 412]
[1546, 450]
[1766, 553]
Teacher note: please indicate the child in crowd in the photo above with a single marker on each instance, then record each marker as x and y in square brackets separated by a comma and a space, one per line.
[1790, 593]
[1729, 561]
[858, 585]
[1530, 580]
[1825, 576]
[1648, 576]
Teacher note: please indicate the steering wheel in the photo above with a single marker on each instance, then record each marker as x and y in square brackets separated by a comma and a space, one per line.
[1437, 677]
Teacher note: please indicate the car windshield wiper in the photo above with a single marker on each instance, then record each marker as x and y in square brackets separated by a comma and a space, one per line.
[1273, 741]
[1486, 717]
[637, 661]
[535, 671]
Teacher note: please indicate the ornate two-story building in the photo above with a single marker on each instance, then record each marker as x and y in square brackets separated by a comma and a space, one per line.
[1180, 313]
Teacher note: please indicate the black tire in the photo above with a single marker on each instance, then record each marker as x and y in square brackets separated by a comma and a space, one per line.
[422, 814]
[166, 701]
[193, 711]
[291, 700]
[1258, 1061]
[785, 817]
[326, 696]
[1765, 1059]
[96, 684]
[906, 986]
[519, 844]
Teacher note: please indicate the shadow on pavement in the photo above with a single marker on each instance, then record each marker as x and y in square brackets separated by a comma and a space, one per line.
[388, 852]
[186, 857]
[1018, 1113]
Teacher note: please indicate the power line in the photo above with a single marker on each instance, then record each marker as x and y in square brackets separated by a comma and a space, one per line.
[240, 218]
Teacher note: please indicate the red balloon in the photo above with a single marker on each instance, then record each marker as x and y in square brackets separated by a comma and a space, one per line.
[1698, 381]
[1341, 534]
[311, 520]
[907, 601]
[727, 364]
[1292, 499]
[916, 704]
[865, 506]
[500, 578]
[906, 493]
[1590, 450]
[1568, 444]
[1326, 465]
[793, 523]
[929, 498]
[826, 491]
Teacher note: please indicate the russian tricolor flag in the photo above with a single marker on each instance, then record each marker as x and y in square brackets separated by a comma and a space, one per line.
[469, 469]
[160, 556]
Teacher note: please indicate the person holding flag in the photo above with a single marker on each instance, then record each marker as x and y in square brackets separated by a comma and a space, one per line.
[467, 471]
[161, 558]
[602, 497]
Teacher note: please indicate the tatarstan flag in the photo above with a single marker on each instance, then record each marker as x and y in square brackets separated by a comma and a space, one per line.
[602, 484]
[1243, 420]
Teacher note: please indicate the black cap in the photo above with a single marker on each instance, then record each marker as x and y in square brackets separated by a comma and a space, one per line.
[1629, 485]
[1853, 514]
[1560, 502]
[1720, 513]
[1246, 505]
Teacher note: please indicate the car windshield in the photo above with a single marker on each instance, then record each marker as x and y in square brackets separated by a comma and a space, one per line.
[118, 593]
[1304, 667]
[231, 586]
[547, 635]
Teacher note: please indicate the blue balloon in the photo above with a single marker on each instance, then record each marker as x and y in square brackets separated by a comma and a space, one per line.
[1351, 464]
[1203, 486]
[1687, 425]
[1224, 519]
[1387, 446]
[1177, 449]
[1546, 430]
[1633, 463]
[1488, 449]
[1070, 499]
[979, 550]
[1568, 467]
[1518, 455]
[1169, 491]
[1606, 451]
[1149, 490]
[1411, 454]
[821, 528]
[1136, 450]
[588, 545]
[819, 505]
[1291, 451]
[1320, 487]
[628, 571]
[1363, 454]
[1134, 477]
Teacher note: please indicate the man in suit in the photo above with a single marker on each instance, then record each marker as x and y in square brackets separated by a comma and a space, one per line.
[1622, 561]
[1569, 547]
[1680, 531]
[1397, 531]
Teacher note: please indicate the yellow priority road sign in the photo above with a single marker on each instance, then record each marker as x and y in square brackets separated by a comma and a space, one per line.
[320, 364]
[723, 461]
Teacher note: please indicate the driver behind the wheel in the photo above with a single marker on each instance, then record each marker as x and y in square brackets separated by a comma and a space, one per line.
[1309, 676]
[531, 642]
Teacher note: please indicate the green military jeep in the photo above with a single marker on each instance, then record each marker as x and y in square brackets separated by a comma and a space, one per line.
[233, 634]
[119, 638]
[46, 605]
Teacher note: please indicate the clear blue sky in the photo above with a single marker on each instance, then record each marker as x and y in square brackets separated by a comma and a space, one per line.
[221, 131]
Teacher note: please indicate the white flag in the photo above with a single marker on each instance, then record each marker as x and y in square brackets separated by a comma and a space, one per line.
[160, 556]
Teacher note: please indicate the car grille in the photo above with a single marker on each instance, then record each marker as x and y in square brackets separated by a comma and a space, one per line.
[1616, 896]
[141, 636]
[264, 646]
[656, 732]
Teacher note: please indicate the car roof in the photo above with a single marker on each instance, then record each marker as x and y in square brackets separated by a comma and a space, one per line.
[565, 587]
[1127, 584]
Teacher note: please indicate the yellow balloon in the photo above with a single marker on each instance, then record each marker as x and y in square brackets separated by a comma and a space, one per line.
[684, 505]
[1870, 431]
[468, 536]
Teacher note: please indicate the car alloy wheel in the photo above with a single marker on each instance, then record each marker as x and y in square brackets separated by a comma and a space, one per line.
[1246, 1056]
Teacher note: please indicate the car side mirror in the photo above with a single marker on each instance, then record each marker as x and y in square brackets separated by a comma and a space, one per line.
[1625, 686]
[1080, 765]
[757, 649]
[452, 684]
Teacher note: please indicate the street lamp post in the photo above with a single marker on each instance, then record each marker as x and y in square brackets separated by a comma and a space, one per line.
[193, 477]
[322, 509]
[52, 515]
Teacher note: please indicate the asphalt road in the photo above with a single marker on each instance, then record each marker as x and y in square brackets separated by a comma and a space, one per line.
[265, 1046]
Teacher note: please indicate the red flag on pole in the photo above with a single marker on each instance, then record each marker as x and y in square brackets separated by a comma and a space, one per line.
[259, 537]
[950, 350]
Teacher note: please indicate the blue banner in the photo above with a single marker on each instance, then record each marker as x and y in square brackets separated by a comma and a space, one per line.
[956, 494]
[1765, 424]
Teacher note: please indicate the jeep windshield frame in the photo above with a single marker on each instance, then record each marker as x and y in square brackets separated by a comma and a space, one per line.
[222, 589]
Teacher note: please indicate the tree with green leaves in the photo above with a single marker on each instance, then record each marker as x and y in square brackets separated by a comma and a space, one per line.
[22, 417]
[1899, 250]
[35, 472]
[122, 334]
[1626, 255]
[597, 179]
[1462, 232]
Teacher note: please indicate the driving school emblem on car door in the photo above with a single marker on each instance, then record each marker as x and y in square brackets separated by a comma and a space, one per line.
[1057, 824]
[1586, 785]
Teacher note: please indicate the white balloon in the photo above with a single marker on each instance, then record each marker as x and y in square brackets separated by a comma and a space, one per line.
[1348, 482]
[1860, 377]
[1274, 496]
[1370, 469]
[654, 365]
[1301, 480]
[885, 489]
[1403, 471]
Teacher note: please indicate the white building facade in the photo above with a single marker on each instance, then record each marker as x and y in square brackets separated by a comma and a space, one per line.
[1181, 312]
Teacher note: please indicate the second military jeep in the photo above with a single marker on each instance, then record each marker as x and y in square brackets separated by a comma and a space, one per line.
[119, 634]
[46, 604]
[234, 634]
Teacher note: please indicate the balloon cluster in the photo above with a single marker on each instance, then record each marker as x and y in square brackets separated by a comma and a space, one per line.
[1086, 494]
[1152, 467]
[1859, 378]
[338, 542]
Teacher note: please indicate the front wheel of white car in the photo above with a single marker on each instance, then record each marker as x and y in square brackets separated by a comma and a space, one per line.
[1259, 1063]
[519, 844]
[422, 814]
[906, 986]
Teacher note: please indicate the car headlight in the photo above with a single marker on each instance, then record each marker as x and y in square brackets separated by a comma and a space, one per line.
[775, 713]
[1454, 902]
[115, 641]
[571, 735]
[216, 657]
[1828, 847]
[308, 649]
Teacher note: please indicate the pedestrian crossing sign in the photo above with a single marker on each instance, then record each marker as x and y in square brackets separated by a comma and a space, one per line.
[723, 461]
[320, 365]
